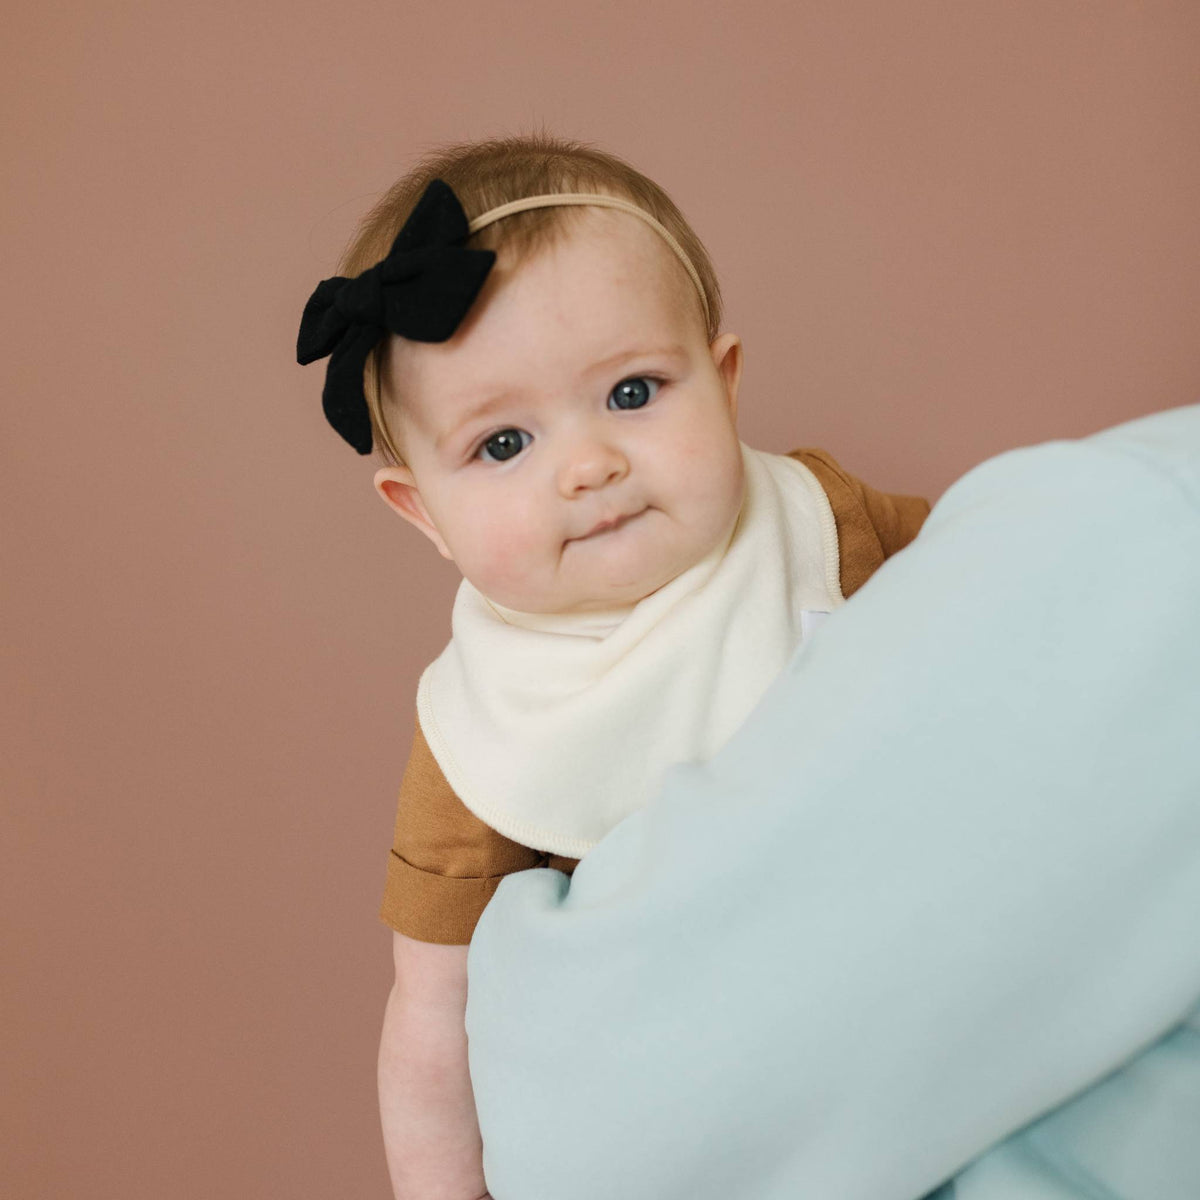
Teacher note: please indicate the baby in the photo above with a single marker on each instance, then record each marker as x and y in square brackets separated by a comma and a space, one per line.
[529, 332]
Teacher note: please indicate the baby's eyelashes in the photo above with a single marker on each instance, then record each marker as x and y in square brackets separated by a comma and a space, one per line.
[635, 392]
[507, 443]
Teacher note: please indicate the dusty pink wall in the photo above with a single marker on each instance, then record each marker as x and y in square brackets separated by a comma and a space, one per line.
[944, 230]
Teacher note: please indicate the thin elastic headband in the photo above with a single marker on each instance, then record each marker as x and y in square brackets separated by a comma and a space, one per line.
[597, 200]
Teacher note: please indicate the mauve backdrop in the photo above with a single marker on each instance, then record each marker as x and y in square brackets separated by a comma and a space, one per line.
[944, 229]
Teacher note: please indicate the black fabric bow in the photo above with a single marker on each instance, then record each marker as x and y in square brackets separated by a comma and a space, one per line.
[421, 290]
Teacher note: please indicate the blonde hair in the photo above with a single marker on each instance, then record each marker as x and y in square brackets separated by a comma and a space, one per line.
[486, 174]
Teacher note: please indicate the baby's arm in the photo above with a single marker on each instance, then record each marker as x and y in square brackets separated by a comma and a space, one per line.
[430, 1131]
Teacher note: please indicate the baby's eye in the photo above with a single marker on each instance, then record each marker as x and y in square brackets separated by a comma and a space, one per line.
[504, 445]
[635, 392]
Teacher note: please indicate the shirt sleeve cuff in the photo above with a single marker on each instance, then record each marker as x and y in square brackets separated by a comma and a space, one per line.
[434, 908]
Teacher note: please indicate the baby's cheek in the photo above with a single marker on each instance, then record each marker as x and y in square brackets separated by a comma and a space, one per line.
[715, 504]
[702, 472]
[508, 552]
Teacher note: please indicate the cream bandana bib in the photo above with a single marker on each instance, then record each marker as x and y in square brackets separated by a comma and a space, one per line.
[553, 727]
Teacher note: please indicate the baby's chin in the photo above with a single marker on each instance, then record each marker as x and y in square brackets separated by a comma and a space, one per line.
[561, 603]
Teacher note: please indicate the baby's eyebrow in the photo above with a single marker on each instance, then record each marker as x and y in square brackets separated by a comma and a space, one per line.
[606, 364]
[478, 410]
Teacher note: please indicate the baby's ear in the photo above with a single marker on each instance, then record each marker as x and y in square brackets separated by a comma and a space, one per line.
[726, 350]
[398, 488]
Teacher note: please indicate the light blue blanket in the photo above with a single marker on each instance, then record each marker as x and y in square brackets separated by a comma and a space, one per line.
[932, 914]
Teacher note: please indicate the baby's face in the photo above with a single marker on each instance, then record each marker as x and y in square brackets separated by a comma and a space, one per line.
[580, 390]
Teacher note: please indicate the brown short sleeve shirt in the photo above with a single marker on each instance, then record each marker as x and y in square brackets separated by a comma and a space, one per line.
[445, 863]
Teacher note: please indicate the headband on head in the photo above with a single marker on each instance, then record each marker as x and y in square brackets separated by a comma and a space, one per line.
[421, 290]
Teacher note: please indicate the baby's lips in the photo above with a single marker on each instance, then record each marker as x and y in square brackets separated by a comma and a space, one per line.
[612, 523]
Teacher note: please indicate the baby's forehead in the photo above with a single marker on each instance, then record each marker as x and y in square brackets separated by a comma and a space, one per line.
[624, 240]
[602, 285]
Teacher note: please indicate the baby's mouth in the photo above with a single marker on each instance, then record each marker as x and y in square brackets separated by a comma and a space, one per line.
[608, 526]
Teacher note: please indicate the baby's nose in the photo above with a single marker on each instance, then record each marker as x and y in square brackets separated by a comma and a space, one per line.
[591, 462]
